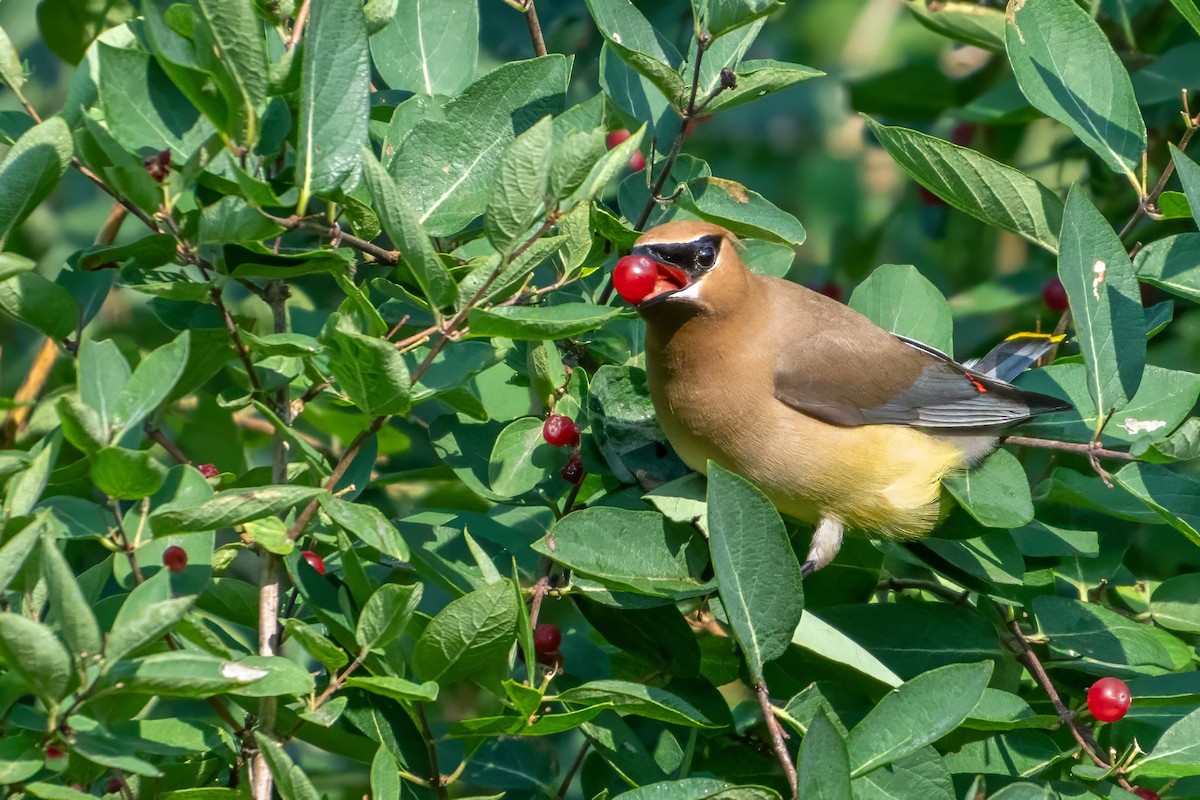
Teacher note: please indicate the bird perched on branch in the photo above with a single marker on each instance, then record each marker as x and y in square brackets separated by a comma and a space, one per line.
[838, 421]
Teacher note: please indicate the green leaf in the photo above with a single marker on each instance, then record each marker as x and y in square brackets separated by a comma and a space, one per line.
[644, 701]
[127, 474]
[758, 576]
[1175, 603]
[1172, 264]
[1106, 305]
[281, 676]
[317, 645]
[1067, 69]
[518, 196]
[386, 614]
[619, 746]
[469, 637]
[30, 170]
[230, 46]
[151, 384]
[521, 458]
[447, 164]
[72, 610]
[971, 182]
[25, 488]
[400, 221]
[982, 26]
[368, 525]
[1177, 753]
[535, 323]
[144, 109]
[742, 211]
[663, 76]
[821, 638]
[290, 780]
[658, 635]
[20, 758]
[1098, 641]
[181, 673]
[759, 77]
[232, 220]
[633, 551]
[17, 548]
[429, 48]
[229, 508]
[397, 689]
[385, 773]
[29, 298]
[921, 774]
[335, 85]
[1189, 176]
[719, 17]
[898, 298]
[624, 24]
[1173, 492]
[919, 712]
[369, 370]
[1174, 205]
[34, 653]
[698, 789]
[824, 768]
[1190, 12]
[140, 622]
[12, 71]
[996, 493]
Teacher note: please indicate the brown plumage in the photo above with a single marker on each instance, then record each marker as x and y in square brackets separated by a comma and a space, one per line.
[838, 421]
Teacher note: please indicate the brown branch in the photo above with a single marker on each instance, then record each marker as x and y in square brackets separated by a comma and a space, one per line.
[1146, 202]
[338, 471]
[336, 234]
[1070, 447]
[28, 392]
[155, 435]
[298, 26]
[778, 736]
[1024, 653]
[435, 772]
[535, 29]
[338, 680]
[565, 786]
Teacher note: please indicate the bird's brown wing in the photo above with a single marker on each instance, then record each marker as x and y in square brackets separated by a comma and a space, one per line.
[845, 370]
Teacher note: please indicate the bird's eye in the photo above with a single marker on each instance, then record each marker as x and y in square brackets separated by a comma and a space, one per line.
[706, 255]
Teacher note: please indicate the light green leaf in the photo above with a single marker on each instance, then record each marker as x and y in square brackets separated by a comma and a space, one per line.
[231, 507]
[1106, 305]
[369, 370]
[429, 47]
[721, 16]
[30, 170]
[139, 622]
[824, 768]
[759, 77]
[1175, 603]
[1177, 753]
[368, 525]
[469, 637]
[1098, 641]
[987, 190]
[521, 458]
[397, 689]
[12, 72]
[1067, 68]
[231, 47]
[290, 780]
[742, 211]
[386, 614]
[127, 474]
[821, 638]
[335, 84]
[1172, 264]
[1189, 176]
[29, 298]
[518, 196]
[919, 712]
[181, 673]
[898, 298]
[1173, 492]
[644, 701]
[982, 26]
[1190, 12]
[33, 652]
[72, 610]
[757, 572]
[536, 323]
[447, 164]
[996, 493]
[151, 383]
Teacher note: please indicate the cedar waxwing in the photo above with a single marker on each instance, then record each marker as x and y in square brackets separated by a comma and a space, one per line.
[838, 421]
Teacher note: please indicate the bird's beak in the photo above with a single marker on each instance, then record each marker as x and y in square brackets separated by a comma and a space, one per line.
[671, 278]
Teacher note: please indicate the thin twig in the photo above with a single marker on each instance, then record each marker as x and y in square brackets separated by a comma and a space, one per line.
[338, 471]
[158, 437]
[571, 770]
[778, 736]
[1070, 447]
[298, 26]
[535, 29]
[338, 680]
[945, 592]
[336, 234]
[435, 772]
[1146, 202]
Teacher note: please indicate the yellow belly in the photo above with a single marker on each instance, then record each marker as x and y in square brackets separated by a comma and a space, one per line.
[880, 478]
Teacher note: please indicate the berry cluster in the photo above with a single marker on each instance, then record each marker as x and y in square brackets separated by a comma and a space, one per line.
[561, 431]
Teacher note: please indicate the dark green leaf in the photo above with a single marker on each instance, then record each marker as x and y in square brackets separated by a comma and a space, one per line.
[33, 652]
[982, 26]
[1173, 492]
[127, 474]
[758, 576]
[29, 298]
[539, 322]
[741, 210]
[760, 77]
[698, 789]
[824, 768]
[182, 674]
[987, 190]
[1098, 641]
[1068, 70]
[1189, 175]
[1190, 12]
[1106, 306]
[151, 384]
[140, 622]
[368, 525]
[397, 688]
[470, 637]
[1177, 753]
[521, 458]
[72, 611]
[1173, 264]
[721, 16]
[370, 371]
[996, 493]
[921, 711]
[290, 780]
[518, 197]
[231, 507]
[644, 701]
[429, 49]
[386, 614]
[1175, 603]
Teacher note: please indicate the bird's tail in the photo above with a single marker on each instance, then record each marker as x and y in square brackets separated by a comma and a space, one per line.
[1015, 354]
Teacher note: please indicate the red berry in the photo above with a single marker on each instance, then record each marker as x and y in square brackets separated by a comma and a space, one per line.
[634, 278]
[1108, 699]
[572, 471]
[114, 786]
[314, 561]
[615, 138]
[1146, 794]
[929, 198]
[546, 638]
[174, 558]
[158, 165]
[53, 752]
[208, 470]
[637, 161]
[829, 289]
[560, 431]
[553, 659]
[1054, 295]
[963, 134]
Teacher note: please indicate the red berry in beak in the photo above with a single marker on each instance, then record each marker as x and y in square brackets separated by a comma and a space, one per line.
[634, 278]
